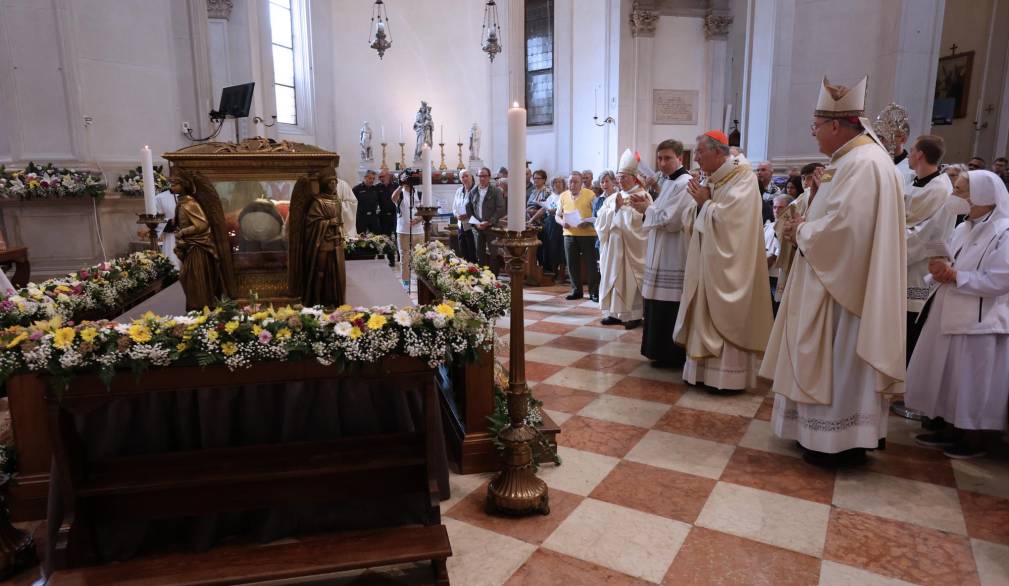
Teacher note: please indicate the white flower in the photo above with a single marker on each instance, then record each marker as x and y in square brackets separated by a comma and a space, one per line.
[314, 312]
[343, 329]
[403, 318]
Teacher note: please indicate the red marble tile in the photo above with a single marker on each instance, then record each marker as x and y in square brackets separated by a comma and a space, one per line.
[718, 427]
[602, 437]
[566, 399]
[631, 337]
[531, 528]
[579, 344]
[537, 371]
[551, 328]
[766, 408]
[502, 332]
[549, 568]
[913, 462]
[612, 364]
[987, 516]
[585, 311]
[709, 557]
[527, 314]
[633, 387]
[781, 474]
[899, 550]
[655, 490]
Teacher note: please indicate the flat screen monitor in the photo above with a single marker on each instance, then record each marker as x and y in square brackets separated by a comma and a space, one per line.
[942, 111]
[236, 100]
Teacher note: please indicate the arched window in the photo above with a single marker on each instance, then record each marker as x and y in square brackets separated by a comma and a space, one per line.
[539, 27]
[290, 42]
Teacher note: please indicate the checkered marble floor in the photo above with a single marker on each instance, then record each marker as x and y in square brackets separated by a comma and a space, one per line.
[664, 484]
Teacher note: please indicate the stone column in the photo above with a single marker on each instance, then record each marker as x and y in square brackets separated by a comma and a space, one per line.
[716, 31]
[643, 22]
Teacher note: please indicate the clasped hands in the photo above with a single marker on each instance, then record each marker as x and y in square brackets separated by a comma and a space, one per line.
[941, 271]
[699, 192]
[638, 202]
[791, 228]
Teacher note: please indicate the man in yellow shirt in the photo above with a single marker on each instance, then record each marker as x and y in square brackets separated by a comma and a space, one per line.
[579, 239]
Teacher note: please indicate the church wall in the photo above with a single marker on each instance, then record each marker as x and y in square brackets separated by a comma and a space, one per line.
[679, 63]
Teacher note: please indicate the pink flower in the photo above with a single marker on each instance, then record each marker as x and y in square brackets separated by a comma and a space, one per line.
[265, 336]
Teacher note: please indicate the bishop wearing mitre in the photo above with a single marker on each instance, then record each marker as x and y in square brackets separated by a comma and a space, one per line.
[837, 347]
[622, 244]
[725, 309]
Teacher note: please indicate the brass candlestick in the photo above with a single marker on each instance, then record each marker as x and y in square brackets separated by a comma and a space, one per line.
[516, 490]
[460, 166]
[442, 166]
[427, 212]
[151, 221]
[402, 157]
[384, 167]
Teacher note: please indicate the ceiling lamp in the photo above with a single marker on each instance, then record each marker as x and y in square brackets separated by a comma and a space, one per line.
[380, 33]
[491, 35]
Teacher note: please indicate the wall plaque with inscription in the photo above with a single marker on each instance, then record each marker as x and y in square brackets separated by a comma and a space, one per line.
[674, 106]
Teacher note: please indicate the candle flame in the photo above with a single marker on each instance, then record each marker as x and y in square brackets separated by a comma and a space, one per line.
[515, 104]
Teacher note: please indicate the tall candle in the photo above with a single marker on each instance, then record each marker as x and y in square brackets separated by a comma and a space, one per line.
[383, 133]
[441, 134]
[400, 132]
[427, 198]
[516, 167]
[147, 164]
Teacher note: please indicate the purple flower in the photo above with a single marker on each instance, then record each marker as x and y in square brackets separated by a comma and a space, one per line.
[265, 336]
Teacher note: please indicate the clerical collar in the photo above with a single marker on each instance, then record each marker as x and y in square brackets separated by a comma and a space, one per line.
[923, 181]
[681, 171]
[900, 157]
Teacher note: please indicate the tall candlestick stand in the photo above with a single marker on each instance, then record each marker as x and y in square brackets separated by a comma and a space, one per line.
[384, 167]
[17, 547]
[402, 156]
[442, 166]
[460, 166]
[516, 490]
[426, 213]
[151, 221]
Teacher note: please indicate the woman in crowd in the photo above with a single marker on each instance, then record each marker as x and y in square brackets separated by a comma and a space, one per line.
[959, 370]
[535, 212]
[794, 187]
[409, 229]
[467, 247]
[607, 187]
[551, 253]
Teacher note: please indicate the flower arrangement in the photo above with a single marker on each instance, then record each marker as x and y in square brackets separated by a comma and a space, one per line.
[36, 182]
[461, 281]
[132, 183]
[239, 337]
[97, 288]
[377, 243]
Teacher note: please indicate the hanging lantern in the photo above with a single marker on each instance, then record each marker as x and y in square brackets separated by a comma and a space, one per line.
[491, 35]
[380, 33]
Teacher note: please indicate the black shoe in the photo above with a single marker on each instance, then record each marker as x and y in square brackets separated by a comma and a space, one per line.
[723, 392]
[610, 321]
[594, 298]
[964, 452]
[630, 325]
[939, 439]
[574, 296]
[846, 459]
[663, 364]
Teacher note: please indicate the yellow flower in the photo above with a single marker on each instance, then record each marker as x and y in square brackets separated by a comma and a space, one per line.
[356, 316]
[181, 346]
[231, 326]
[260, 316]
[17, 340]
[445, 310]
[199, 321]
[256, 330]
[212, 335]
[285, 312]
[149, 315]
[229, 348]
[375, 322]
[139, 333]
[88, 334]
[355, 333]
[64, 337]
[283, 333]
[344, 308]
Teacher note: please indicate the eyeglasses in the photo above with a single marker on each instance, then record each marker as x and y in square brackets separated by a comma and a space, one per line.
[814, 126]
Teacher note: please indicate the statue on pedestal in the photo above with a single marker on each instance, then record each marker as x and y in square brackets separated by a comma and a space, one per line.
[474, 143]
[315, 260]
[424, 127]
[365, 140]
[201, 240]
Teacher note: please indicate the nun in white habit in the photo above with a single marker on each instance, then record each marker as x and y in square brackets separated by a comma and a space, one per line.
[960, 368]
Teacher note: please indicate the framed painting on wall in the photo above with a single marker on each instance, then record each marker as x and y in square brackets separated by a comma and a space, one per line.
[952, 81]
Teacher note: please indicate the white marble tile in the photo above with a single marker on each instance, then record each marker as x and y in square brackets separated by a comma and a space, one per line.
[462, 485]
[760, 436]
[547, 308]
[622, 539]
[624, 410]
[682, 453]
[835, 574]
[910, 501]
[580, 471]
[529, 296]
[505, 322]
[992, 561]
[481, 557]
[659, 374]
[902, 431]
[767, 517]
[571, 320]
[559, 417]
[585, 380]
[743, 404]
[621, 350]
[598, 333]
[537, 338]
[983, 475]
[558, 356]
[592, 304]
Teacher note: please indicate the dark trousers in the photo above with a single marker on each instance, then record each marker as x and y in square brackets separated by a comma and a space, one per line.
[483, 240]
[657, 337]
[577, 248]
[467, 246]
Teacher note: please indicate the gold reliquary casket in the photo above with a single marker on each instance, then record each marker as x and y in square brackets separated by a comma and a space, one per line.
[263, 192]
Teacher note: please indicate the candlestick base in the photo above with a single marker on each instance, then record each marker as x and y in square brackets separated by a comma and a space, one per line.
[442, 166]
[383, 166]
[516, 490]
[151, 221]
[402, 157]
[460, 166]
[427, 213]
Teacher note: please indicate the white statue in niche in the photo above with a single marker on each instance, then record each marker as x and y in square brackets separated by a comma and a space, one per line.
[365, 140]
[474, 142]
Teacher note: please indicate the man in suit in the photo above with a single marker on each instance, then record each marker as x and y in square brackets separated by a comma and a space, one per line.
[486, 204]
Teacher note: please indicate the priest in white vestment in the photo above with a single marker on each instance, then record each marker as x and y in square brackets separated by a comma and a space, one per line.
[725, 309]
[837, 349]
[165, 202]
[348, 206]
[622, 243]
[960, 368]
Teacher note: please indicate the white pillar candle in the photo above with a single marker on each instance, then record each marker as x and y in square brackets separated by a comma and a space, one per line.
[516, 167]
[383, 133]
[427, 198]
[147, 165]
[400, 132]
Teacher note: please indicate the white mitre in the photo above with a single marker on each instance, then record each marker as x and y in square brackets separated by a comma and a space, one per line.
[838, 101]
[628, 163]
